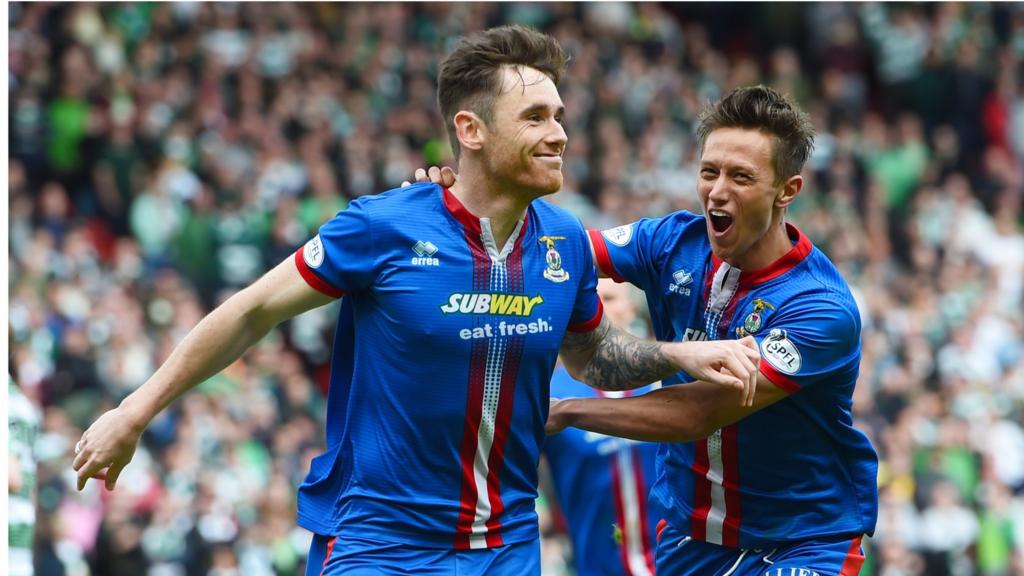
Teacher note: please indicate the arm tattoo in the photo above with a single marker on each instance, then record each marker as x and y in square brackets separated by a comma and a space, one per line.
[620, 361]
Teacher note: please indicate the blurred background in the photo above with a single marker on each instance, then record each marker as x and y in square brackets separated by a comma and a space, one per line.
[163, 155]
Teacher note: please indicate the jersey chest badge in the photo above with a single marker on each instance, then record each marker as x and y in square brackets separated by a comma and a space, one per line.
[554, 270]
[752, 323]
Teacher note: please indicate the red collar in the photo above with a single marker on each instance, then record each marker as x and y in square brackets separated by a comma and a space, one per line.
[801, 248]
[467, 218]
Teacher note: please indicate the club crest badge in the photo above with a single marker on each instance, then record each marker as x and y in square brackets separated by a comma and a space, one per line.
[554, 270]
[753, 322]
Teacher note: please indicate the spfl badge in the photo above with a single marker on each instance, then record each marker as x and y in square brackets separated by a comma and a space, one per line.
[554, 271]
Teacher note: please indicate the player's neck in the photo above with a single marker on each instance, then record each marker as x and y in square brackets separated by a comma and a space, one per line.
[773, 245]
[483, 198]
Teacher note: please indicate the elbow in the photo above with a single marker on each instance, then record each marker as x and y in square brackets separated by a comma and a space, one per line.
[575, 370]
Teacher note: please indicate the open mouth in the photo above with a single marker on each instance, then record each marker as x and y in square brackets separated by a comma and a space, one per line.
[720, 221]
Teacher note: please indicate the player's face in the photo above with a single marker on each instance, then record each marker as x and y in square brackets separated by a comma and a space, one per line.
[527, 138]
[737, 189]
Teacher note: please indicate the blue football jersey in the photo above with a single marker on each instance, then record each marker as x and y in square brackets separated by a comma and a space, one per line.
[443, 354]
[602, 485]
[794, 470]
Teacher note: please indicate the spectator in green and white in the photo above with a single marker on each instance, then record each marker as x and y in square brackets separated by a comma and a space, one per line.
[23, 425]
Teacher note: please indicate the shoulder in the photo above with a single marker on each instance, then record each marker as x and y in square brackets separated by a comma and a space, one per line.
[672, 226]
[826, 288]
[820, 304]
[391, 209]
[547, 214]
[406, 199]
[548, 220]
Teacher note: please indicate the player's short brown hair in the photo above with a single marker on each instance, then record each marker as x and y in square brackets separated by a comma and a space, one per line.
[767, 110]
[469, 79]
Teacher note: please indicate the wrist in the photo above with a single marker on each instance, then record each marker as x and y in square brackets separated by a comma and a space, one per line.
[569, 412]
[137, 412]
[678, 354]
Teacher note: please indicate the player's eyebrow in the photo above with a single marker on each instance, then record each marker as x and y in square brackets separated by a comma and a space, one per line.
[541, 108]
[731, 165]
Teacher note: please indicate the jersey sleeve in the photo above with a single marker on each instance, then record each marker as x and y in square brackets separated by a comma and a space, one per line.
[631, 252]
[587, 310]
[340, 259]
[808, 343]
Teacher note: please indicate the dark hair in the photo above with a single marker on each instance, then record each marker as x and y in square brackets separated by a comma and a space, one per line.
[469, 78]
[765, 109]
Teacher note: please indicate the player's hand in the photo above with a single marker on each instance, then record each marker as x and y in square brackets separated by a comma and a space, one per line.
[107, 447]
[558, 419]
[731, 363]
[444, 176]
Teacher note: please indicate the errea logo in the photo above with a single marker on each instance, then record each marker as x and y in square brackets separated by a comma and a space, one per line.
[424, 252]
[681, 279]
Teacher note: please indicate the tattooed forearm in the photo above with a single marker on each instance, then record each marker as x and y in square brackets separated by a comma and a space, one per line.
[610, 359]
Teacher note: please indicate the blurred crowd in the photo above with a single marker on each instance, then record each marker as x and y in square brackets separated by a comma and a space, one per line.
[163, 155]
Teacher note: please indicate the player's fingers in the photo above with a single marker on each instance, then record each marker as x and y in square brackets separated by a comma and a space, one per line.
[112, 473]
[752, 393]
[420, 175]
[743, 356]
[89, 470]
[751, 349]
[447, 177]
[435, 174]
[81, 456]
[723, 377]
[739, 372]
[406, 183]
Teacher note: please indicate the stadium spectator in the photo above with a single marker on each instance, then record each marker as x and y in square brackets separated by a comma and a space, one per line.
[356, 72]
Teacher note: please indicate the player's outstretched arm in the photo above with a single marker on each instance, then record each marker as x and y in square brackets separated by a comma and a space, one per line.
[679, 413]
[219, 339]
[610, 359]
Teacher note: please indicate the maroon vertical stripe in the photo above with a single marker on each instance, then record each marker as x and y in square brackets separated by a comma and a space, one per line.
[474, 406]
[702, 491]
[467, 453]
[641, 504]
[731, 486]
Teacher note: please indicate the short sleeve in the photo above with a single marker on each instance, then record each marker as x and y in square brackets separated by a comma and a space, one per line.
[340, 259]
[628, 253]
[810, 342]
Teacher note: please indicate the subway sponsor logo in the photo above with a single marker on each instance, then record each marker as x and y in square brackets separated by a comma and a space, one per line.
[491, 303]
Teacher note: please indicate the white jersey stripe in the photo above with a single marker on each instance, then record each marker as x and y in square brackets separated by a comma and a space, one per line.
[716, 516]
[488, 414]
[632, 532]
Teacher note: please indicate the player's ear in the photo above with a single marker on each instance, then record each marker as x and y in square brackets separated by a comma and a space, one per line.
[789, 191]
[470, 130]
